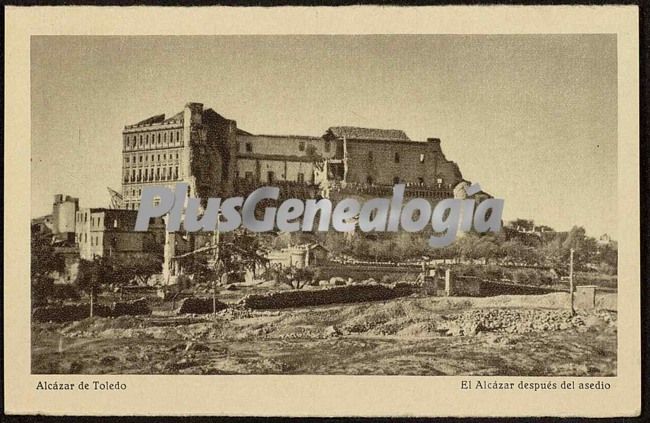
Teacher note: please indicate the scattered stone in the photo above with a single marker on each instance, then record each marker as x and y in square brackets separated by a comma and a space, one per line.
[337, 281]
[108, 360]
[192, 346]
[332, 331]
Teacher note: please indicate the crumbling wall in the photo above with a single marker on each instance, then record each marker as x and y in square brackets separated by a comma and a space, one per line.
[377, 161]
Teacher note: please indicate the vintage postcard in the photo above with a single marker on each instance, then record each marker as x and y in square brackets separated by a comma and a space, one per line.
[350, 211]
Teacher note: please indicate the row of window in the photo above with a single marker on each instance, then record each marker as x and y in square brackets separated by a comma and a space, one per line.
[94, 240]
[396, 157]
[145, 158]
[82, 217]
[301, 146]
[151, 174]
[161, 138]
[396, 180]
[132, 206]
[270, 177]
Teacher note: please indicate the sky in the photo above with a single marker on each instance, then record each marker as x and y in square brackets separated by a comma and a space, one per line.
[532, 118]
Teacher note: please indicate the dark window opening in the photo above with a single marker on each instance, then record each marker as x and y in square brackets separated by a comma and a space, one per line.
[249, 147]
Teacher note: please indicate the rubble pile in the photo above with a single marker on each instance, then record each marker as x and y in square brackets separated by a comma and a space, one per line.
[521, 321]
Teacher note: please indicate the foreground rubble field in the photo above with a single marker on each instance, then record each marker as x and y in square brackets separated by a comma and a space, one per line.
[506, 335]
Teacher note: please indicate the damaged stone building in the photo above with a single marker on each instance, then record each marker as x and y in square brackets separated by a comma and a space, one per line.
[101, 232]
[216, 158]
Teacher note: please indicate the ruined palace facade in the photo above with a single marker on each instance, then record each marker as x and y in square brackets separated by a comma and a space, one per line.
[216, 158]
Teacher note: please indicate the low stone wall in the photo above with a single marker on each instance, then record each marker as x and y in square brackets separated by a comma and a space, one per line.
[340, 294]
[68, 312]
[193, 305]
[382, 273]
[73, 312]
[489, 289]
[130, 308]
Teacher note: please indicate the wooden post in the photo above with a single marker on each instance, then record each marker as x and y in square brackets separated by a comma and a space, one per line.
[573, 311]
[92, 296]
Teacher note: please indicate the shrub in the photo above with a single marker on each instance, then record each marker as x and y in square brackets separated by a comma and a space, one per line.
[62, 292]
[493, 272]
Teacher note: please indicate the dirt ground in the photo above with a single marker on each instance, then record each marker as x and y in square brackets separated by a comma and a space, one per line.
[506, 335]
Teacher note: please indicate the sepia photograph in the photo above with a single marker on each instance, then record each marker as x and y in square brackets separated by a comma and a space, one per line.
[530, 119]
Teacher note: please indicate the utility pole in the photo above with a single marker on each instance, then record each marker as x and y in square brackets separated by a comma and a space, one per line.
[573, 311]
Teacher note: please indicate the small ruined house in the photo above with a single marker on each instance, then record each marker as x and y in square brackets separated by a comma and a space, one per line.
[298, 256]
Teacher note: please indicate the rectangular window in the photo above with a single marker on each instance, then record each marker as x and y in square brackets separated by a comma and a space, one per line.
[422, 158]
[301, 177]
[301, 146]
[249, 176]
[270, 176]
[396, 157]
[176, 172]
[249, 147]
[370, 157]
[328, 146]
